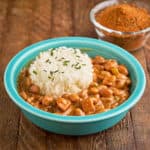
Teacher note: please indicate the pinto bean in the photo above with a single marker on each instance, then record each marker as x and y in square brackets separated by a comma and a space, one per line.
[95, 77]
[74, 97]
[106, 92]
[116, 91]
[94, 84]
[23, 95]
[84, 94]
[88, 106]
[93, 90]
[79, 112]
[34, 89]
[111, 63]
[110, 81]
[107, 99]
[36, 104]
[30, 99]
[37, 96]
[46, 100]
[65, 96]
[68, 111]
[98, 68]
[122, 69]
[99, 107]
[122, 76]
[63, 103]
[102, 86]
[120, 83]
[103, 74]
[123, 95]
[128, 81]
[114, 105]
[95, 98]
[98, 60]
[28, 82]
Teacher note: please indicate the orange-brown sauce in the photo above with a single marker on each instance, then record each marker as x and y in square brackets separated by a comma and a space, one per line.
[110, 88]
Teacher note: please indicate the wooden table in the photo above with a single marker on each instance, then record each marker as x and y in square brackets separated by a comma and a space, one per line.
[23, 22]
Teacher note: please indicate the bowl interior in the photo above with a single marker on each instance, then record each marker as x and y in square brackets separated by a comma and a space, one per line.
[92, 47]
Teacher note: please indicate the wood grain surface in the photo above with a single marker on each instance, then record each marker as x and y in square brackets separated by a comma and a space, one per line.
[23, 22]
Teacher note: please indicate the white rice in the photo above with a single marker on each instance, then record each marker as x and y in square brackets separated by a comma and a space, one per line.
[61, 70]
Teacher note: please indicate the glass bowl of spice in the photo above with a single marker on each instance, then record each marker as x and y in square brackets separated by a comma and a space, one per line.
[126, 24]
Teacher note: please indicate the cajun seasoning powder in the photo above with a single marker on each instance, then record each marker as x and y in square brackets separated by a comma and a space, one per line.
[125, 18]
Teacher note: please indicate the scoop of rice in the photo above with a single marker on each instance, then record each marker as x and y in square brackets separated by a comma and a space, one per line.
[61, 70]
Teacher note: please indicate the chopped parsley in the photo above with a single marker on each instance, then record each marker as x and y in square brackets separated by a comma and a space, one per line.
[55, 71]
[47, 60]
[52, 51]
[77, 64]
[77, 67]
[51, 73]
[34, 72]
[51, 78]
[61, 59]
[65, 63]
[72, 65]
[45, 70]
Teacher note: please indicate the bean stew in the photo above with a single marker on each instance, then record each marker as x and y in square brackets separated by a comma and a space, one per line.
[110, 87]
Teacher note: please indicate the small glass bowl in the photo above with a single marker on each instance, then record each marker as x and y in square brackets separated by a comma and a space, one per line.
[130, 41]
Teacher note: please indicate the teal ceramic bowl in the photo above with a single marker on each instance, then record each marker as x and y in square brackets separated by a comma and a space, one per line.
[75, 125]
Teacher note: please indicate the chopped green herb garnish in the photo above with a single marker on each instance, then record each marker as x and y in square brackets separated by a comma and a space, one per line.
[65, 63]
[55, 71]
[47, 60]
[34, 72]
[78, 56]
[52, 51]
[83, 64]
[51, 78]
[72, 65]
[77, 67]
[77, 64]
[51, 72]
[61, 59]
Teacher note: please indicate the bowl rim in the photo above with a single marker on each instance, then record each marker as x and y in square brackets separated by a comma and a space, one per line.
[95, 9]
[132, 100]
